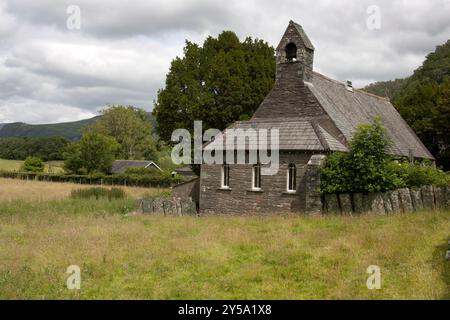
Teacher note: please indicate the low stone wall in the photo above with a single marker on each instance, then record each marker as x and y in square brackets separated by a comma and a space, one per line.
[401, 200]
[173, 206]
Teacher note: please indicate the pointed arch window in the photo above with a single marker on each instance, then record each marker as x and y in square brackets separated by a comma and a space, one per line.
[292, 178]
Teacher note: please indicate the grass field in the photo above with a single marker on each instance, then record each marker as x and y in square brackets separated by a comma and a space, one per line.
[15, 165]
[15, 189]
[149, 257]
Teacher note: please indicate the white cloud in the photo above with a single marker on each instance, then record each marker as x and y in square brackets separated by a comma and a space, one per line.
[124, 49]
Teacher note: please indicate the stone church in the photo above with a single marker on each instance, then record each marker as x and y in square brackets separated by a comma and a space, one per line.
[315, 115]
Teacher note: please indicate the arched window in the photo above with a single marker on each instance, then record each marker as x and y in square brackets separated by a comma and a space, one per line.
[225, 183]
[291, 52]
[256, 183]
[291, 178]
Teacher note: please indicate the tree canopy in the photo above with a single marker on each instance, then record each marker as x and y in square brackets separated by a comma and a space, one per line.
[131, 128]
[220, 82]
[93, 153]
[423, 100]
[50, 148]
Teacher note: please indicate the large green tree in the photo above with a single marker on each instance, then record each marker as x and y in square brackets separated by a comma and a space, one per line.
[93, 153]
[131, 128]
[220, 82]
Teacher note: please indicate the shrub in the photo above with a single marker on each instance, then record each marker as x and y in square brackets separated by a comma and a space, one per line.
[33, 164]
[142, 171]
[98, 192]
[420, 174]
[365, 168]
[161, 180]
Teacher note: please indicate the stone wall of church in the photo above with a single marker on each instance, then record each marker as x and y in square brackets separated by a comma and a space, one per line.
[289, 97]
[241, 199]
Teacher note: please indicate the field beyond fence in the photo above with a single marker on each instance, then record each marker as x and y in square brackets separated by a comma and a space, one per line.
[136, 180]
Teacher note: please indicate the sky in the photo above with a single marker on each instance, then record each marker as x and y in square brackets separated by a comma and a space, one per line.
[64, 63]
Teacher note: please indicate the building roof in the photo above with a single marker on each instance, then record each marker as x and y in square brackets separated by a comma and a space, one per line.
[315, 113]
[294, 134]
[120, 166]
[303, 35]
[348, 109]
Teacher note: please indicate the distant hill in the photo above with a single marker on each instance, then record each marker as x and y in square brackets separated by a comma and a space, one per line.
[69, 130]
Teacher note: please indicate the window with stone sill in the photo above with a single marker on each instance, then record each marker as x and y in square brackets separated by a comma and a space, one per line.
[225, 180]
[256, 177]
[291, 178]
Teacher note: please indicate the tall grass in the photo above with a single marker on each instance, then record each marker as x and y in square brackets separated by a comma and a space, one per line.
[221, 257]
[97, 193]
[11, 189]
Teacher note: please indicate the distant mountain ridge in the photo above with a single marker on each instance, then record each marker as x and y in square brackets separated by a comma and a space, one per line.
[69, 130]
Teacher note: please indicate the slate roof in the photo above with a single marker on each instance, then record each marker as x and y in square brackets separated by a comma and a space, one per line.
[349, 109]
[120, 166]
[294, 134]
[185, 171]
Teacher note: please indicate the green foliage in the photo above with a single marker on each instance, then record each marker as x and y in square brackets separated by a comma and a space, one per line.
[365, 168]
[33, 164]
[164, 156]
[73, 162]
[423, 100]
[142, 174]
[131, 128]
[388, 89]
[93, 153]
[368, 168]
[223, 81]
[98, 193]
[161, 180]
[47, 149]
[420, 174]
[334, 174]
[142, 171]
[426, 106]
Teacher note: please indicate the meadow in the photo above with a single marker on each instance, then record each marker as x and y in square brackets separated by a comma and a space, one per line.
[15, 165]
[126, 256]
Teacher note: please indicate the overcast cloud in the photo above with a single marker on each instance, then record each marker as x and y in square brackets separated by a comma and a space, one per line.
[123, 50]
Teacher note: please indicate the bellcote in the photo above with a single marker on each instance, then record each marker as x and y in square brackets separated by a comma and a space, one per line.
[295, 53]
